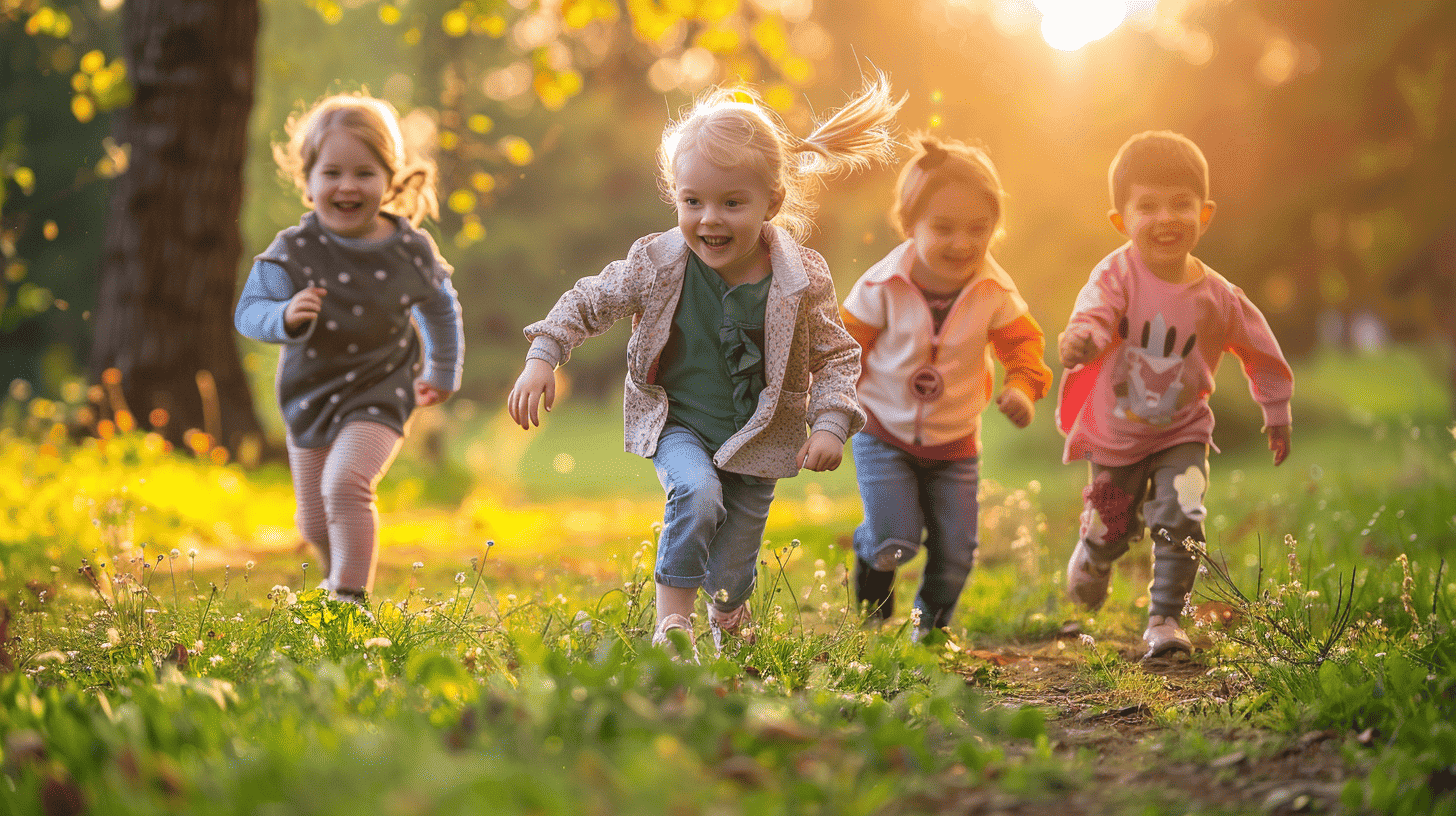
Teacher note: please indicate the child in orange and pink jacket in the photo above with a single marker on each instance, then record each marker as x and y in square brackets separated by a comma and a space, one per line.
[1142, 346]
[928, 316]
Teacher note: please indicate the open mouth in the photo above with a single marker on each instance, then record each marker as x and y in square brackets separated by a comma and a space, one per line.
[347, 206]
[716, 241]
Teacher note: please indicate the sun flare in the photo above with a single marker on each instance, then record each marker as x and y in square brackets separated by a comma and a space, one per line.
[1067, 25]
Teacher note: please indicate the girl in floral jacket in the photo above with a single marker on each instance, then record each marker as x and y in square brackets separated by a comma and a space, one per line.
[739, 370]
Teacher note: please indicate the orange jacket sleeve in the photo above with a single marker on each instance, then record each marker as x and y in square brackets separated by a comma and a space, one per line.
[862, 332]
[1020, 345]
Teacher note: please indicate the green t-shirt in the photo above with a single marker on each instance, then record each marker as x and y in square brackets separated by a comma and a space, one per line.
[712, 366]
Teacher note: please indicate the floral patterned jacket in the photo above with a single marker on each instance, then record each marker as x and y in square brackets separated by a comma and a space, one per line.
[811, 363]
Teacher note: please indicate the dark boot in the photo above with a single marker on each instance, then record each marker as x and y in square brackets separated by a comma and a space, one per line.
[874, 589]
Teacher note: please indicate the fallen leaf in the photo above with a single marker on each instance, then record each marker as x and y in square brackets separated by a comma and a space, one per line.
[995, 658]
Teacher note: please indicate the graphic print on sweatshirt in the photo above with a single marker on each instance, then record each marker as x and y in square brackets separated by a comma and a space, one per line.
[1149, 376]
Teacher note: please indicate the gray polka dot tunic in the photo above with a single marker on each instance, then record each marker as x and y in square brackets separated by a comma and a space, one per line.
[358, 359]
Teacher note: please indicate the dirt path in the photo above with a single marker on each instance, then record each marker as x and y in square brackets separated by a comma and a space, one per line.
[1138, 758]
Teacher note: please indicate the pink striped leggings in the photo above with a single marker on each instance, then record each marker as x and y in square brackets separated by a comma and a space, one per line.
[334, 487]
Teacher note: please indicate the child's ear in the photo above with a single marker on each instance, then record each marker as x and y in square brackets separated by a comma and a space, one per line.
[1206, 215]
[1116, 218]
[773, 209]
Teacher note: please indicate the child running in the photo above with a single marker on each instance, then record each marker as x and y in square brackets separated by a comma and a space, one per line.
[339, 292]
[1141, 348]
[928, 317]
[736, 345]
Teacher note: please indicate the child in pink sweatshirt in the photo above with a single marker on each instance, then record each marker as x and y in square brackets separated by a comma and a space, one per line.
[1141, 349]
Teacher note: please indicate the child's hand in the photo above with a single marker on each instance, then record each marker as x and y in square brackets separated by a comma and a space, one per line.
[426, 394]
[535, 386]
[823, 451]
[1016, 405]
[303, 307]
[1076, 348]
[1279, 442]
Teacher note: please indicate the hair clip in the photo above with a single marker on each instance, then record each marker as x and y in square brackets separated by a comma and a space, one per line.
[935, 156]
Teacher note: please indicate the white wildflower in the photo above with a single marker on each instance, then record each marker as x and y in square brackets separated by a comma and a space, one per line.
[378, 643]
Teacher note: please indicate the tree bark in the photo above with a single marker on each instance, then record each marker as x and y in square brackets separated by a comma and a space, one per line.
[169, 271]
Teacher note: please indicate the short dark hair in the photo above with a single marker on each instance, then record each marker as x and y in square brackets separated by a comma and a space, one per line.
[1157, 157]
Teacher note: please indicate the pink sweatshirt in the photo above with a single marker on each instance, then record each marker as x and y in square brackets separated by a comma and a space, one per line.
[1162, 343]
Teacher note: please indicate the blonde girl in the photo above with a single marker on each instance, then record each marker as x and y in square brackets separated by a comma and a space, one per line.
[342, 293]
[739, 371]
[929, 317]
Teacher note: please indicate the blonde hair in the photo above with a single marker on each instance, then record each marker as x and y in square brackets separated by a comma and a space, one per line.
[411, 178]
[1157, 157]
[732, 126]
[937, 163]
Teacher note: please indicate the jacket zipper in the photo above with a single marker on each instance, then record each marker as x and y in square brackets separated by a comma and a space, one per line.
[934, 347]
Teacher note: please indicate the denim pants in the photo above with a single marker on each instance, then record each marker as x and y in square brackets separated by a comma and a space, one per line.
[1165, 492]
[906, 497]
[712, 527]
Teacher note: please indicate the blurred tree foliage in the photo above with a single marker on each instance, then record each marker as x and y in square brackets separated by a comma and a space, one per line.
[59, 78]
[1329, 128]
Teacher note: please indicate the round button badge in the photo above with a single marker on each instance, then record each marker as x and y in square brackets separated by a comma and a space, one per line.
[926, 384]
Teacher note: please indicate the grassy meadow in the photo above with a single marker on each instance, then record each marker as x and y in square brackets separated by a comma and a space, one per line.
[164, 650]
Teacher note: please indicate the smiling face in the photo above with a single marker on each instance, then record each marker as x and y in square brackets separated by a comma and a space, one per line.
[347, 185]
[952, 236]
[721, 211]
[1164, 222]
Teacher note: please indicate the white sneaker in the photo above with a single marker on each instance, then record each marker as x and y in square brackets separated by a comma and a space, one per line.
[669, 623]
[1087, 578]
[1164, 637]
[733, 623]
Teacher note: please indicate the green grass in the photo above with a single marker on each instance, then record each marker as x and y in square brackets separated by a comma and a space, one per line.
[169, 656]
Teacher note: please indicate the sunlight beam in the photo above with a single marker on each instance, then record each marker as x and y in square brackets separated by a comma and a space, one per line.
[1067, 25]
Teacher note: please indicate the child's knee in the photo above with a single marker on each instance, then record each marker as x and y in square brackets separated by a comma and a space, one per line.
[1109, 514]
[346, 489]
[698, 498]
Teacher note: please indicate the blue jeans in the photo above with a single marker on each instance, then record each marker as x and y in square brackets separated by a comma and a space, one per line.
[905, 498]
[712, 527]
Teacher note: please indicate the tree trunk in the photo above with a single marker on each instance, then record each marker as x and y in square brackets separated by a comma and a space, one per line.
[169, 272]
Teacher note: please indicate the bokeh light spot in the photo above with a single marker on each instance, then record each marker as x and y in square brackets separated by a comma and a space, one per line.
[1067, 25]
